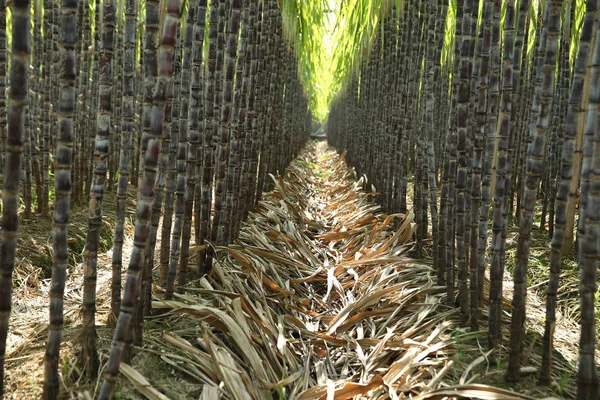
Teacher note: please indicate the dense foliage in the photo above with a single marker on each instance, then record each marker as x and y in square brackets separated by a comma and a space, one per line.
[196, 115]
[505, 120]
[486, 110]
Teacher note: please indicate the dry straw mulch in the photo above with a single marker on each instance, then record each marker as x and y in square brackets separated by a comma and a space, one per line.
[318, 299]
[28, 327]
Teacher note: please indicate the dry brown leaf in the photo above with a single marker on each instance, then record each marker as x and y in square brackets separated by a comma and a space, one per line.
[140, 383]
[474, 391]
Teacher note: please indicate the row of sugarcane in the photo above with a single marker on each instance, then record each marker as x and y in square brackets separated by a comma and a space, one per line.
[456, 99]
[195, 112]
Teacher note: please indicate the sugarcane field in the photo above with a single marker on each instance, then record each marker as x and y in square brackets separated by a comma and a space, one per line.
[299, 199]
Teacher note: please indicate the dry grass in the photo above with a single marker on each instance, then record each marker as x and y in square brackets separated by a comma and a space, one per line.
[31, 282]
[567, 314]
[317, 299]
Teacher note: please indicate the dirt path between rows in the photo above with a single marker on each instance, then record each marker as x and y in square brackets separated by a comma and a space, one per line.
[318, 297]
